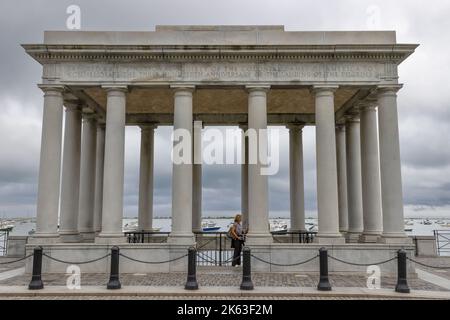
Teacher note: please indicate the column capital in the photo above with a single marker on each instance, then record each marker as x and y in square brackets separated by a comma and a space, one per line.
[182, 89]
[295, 126]
[148, 126]
[367, 105]
[89, 116]
[73, 105]
[340, 127]
[388, 89]
[324, 89]
[257, 88]
[48, 89]
[115, 89]
[198, 124]
[352, 118]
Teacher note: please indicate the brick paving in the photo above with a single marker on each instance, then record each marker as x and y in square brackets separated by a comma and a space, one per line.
[230, 277]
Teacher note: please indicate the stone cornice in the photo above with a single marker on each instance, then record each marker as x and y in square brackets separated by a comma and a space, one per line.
[66, 53]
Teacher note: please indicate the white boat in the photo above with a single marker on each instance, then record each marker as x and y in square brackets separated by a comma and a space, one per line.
[208, 226]
[278, 226]
[133, 227]
[427, 222]
[7, 225]
[409, 223]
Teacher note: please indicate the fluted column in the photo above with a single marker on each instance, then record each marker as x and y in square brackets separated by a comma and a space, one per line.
[244, 177]
[49, 166]
[297, 190]
[354, 183]
[70, 182]
[342, 178]
[99, 167]
[113, 177]
[258, 210]
[145, 210]
[390, 165]
[371, 183]
[182, 169]
[87, 178]
[197, 178]
[327, 194]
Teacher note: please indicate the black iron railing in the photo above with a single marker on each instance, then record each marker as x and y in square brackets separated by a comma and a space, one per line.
[214, 248]
[4, 235]
[146, 237]
[442, 241]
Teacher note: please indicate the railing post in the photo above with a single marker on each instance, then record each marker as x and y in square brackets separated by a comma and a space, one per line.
[114, 282]
[247, 283]
[36, 278]
[191, 283]
[324, 282]
[402, 283]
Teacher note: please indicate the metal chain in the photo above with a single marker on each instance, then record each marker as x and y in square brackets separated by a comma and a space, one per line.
[152, 262]
[21, 259]
[285, 265]
[426, 265]
[71, 262]
[362, 264]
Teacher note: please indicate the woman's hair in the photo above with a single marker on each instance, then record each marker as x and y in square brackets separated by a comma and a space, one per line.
[236, 217]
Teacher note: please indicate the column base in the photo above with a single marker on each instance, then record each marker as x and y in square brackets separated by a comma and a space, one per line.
[43, 238]
[111, 238]
[69, 237]
[396, 239]
[329, 239]
[352, 237]
[370, 238]
[187, 239]
[87, 236]
[258, 239]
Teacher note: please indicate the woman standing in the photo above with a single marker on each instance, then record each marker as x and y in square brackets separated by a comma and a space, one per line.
[237, 241]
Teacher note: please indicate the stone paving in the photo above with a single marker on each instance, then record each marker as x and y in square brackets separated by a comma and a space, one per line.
[231, 277]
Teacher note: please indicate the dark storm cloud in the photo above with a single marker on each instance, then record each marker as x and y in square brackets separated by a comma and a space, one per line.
[424, 108]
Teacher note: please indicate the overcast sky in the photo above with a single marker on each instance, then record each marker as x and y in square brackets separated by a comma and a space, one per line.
[424, 107]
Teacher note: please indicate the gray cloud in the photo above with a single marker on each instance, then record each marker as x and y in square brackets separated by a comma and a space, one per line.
[424, 108]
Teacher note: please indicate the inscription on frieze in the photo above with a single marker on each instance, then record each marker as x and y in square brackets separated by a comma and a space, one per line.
[221, 71]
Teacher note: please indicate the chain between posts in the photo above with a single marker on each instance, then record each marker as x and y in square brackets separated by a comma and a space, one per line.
[427, 265]
[152, 262]
[285, 265]
[72, 262]
[21, 259]
[362, 264]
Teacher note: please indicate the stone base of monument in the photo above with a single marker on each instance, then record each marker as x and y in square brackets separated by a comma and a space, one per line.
[276, 257]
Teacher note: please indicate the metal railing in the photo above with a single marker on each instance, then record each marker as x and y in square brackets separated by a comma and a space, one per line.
[294, 237]
[146, 236]
[442, 242]
[4, 235]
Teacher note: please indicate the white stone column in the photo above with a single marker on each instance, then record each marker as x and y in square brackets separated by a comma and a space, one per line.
[87, 178]
[258, 193]
[297, 189]
[390, 165]
[370, 166]
[113, 176]
[244, 177]
[342, 178]
[327, 193]
[70, 182]
[354, 183]
[182, 171]
[99, 167]
[145, 210]
[197, 178]
[49, 166]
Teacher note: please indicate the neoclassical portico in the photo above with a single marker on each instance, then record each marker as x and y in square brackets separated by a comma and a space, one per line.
[247, 76]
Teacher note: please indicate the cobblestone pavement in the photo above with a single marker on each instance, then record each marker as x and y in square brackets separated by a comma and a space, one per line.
[438, 262]
[192, 298]
[228, 277]
[222, 280]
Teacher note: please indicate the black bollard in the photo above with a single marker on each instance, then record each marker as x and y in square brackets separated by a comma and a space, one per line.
[191, 283]
[36, 278]
[114, 282]
[324, 282]
[402, 282]
[247, 283]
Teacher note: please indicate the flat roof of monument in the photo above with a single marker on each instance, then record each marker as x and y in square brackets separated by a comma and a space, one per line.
[220, 35]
